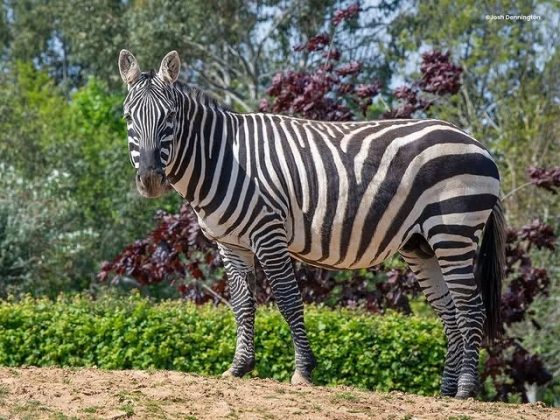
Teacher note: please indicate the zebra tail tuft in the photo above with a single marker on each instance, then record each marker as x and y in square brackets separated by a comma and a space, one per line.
[490, 270]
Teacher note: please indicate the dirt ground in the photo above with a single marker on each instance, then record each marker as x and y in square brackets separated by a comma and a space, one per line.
[53, 393]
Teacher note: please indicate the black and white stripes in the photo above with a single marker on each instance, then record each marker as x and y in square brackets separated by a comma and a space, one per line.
[336, 195]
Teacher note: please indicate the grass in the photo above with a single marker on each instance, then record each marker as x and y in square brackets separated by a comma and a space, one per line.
[345, 396]
[128, 398]
[93, 409]
[154, 408]
[61, 416]
[129, 395]
[34, 409]
[128, 408]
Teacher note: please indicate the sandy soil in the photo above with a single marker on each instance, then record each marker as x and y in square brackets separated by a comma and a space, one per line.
[53, 393]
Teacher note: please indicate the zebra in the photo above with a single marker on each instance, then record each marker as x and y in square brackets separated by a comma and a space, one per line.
[337, 195]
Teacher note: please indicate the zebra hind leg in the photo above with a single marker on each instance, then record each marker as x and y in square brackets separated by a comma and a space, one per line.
[239, 266]
[455, 256]
[422, 261]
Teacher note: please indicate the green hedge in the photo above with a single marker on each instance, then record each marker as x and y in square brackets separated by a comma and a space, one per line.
[353, 348]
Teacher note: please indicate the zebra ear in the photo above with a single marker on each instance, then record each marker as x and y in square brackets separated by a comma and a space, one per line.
[128, 67]
[170, 67]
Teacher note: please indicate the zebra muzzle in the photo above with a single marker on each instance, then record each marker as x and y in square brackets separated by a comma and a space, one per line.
[152, 183]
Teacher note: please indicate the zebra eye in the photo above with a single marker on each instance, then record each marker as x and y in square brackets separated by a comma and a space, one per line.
[127, 118]
[171, 116]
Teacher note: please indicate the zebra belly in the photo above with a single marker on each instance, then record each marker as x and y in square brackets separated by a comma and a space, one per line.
[340, 265]
[342, 243]
[333, 259]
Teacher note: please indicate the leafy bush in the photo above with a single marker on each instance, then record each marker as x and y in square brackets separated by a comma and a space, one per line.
[66, 192]
[354, 348]
[37, 244]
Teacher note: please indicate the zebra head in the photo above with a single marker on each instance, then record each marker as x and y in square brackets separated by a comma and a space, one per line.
[150, 110]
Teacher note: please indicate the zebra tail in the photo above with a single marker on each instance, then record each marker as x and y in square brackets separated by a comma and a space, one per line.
[490, 270]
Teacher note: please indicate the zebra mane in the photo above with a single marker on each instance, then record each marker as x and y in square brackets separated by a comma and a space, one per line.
[195, 93]
[203, 98]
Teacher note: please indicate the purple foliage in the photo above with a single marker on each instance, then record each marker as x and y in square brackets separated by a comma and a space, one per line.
[306, 94]
[342, 15]
[440, 77]
[509, 365]
[549, 179]
[173, 250]
[316, 43]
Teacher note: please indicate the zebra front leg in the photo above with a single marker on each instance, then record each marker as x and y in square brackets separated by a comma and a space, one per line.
[239, 266]
[278, 267]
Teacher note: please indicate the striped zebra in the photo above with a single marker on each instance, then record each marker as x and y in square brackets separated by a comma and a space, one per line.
[342, 195]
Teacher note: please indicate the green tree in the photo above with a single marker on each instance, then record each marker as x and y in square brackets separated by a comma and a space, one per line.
[238, 52]
[29, 104]
[230, 47]
[38, 244]
[70, 40]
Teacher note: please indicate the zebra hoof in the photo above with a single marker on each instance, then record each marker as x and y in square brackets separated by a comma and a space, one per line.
[239, 369]
[300, 379]
[449, 392]
[467, 387]
[449, 388]
[464, 393]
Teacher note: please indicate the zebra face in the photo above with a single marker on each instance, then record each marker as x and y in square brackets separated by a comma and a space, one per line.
[151, 117]
[150, 143]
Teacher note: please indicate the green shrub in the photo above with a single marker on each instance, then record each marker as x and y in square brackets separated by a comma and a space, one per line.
[376, 352]
[37, 243]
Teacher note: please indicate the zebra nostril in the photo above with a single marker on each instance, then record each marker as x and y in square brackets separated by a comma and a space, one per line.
[161, 174]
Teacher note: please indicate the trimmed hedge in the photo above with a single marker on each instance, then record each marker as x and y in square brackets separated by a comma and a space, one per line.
[353, 348]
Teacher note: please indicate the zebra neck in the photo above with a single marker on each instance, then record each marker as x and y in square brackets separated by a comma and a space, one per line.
[204, 158]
